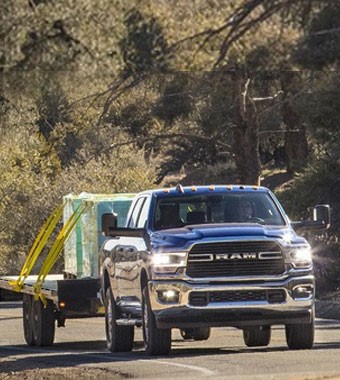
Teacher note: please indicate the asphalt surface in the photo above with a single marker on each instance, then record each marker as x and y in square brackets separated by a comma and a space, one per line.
[80, 351]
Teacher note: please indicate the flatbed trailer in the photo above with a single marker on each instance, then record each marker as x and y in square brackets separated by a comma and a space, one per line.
[72, 298]
[49, 288]
[50, 298]
[60, 299]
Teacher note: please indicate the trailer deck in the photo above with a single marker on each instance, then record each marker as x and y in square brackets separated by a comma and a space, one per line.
[49, 287]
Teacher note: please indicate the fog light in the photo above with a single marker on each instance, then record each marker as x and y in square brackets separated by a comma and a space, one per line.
[302, 292]
[168, 296]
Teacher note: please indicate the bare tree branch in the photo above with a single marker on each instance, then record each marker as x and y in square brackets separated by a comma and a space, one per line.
[325, 31]
[242, 20]
[154, 137]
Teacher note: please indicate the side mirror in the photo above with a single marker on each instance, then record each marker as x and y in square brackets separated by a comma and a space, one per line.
[109, 223]
[322, 213]
[321, 220]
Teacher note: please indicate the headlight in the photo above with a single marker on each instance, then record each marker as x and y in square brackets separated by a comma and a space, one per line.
[300, 257]
[168, 262]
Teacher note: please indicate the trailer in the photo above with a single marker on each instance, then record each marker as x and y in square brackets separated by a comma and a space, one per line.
[50, 299]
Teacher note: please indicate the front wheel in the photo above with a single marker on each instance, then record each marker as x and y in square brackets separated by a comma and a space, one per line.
[257, 336]
[156, 341]
[300, 337]
[118, 338]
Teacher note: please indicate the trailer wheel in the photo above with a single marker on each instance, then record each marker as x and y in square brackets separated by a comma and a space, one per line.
[118, 338]
[43, 323]
[197, 333]
[257, 336]
[27, 318]
[156, 341]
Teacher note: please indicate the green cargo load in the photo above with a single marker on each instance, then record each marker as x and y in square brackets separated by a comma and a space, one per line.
[82, 247]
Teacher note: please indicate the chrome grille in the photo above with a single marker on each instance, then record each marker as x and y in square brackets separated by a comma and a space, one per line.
[240, 258]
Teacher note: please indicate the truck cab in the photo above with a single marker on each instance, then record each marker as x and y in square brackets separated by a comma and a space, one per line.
[199, 257]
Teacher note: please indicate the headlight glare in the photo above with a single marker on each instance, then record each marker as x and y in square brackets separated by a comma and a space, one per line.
[168, 262]
[300, 257]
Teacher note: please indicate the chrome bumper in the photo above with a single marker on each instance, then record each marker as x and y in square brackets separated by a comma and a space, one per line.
[295, 307]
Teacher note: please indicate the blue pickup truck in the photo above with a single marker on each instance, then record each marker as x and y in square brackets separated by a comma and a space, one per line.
[198, 257]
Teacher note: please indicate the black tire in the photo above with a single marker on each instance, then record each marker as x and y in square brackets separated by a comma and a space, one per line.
[43, 323]
[27, 318]
[197, 333]
[300, 337]
[257, 336]
[118, 338]
[156, 341]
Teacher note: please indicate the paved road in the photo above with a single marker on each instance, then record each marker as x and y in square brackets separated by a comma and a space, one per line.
[81, 344]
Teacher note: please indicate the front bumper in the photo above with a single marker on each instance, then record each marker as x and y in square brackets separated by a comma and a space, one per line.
[290, 301]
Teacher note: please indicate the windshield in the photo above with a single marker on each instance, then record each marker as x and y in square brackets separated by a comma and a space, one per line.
[225, 208]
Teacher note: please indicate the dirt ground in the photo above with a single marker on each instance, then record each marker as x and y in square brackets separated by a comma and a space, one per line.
[64, 373]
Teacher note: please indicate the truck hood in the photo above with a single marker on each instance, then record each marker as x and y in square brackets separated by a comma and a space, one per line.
[185, 236]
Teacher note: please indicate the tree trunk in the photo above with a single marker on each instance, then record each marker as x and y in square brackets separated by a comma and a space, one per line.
[296, 146]
[245, 133]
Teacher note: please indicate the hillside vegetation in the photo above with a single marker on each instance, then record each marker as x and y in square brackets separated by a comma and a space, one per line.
[115, 96]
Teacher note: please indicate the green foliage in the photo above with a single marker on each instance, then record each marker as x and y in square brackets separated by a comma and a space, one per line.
[144, 48]
[114, 96]
[176, 100]
[321, 45]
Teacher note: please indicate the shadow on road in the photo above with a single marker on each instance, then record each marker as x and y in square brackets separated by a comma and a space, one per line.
[23, 358]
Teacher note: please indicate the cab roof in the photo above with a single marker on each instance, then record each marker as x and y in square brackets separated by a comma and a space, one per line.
[200, 190]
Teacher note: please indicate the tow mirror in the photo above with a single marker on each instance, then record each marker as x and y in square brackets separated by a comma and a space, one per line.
[109, 223]
[322, 213]
[321, 220]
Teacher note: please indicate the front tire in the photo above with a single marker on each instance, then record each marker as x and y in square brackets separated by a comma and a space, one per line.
[257, 336]
[156, 341]
[300, 337]
[118, 338]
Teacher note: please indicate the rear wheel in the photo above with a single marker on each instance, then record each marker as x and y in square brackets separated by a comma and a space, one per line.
[197, 333]
[43, 323]
[156, 341]
[27, 317]
[300, 337]
[257, 336]
[118, 338]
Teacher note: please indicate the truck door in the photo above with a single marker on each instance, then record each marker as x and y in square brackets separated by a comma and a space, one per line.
[129, 253]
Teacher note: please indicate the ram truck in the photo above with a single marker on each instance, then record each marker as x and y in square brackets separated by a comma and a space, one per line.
[198, 257]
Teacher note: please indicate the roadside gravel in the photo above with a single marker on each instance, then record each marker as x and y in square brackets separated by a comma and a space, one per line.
[65, 373]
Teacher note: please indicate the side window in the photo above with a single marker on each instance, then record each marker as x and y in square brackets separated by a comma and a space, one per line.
[142, 218]
[135, 213]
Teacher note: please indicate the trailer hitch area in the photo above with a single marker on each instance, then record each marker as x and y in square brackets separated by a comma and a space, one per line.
[61, 322]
